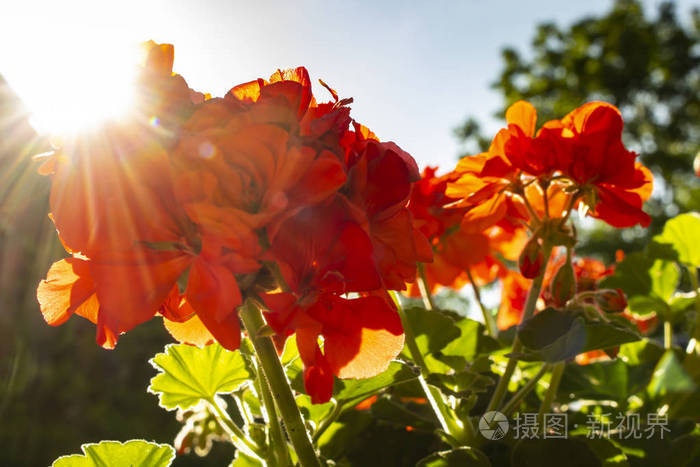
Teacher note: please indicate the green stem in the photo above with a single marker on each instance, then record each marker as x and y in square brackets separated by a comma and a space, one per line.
[424, 288]
[545, 196]
[240, 440]
[668, 334]
[279, 444]
[545, 407]
[569, 208]
[529, 310]
[535, 218]
[279, 385]
[328, 421]
[524, 391]
[448, 422]
[696, 332]
[489, 322]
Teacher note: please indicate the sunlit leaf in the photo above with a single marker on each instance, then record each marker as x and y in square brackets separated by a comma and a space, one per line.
[244, 460]
[115, 454]
[683, 232]
[472, 342]
[313, 412]
[640, 275]
[601, 380]
[433, 329]
[348, 390]
[670, 377]
[645, 305]
[189, 374]
[640, 352]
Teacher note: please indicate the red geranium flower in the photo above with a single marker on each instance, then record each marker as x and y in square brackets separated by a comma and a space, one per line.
[614, 185]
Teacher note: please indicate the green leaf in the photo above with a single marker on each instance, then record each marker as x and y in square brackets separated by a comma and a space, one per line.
[682, 302]
[339, 435]
[350, 390]
[664, 279]
[189, 374]
[461, 383]
[433, 329]
[472, 342]
[631, 275]
[645, 305]
[115, 454]
[290, 353]
[553, 335]
[683, 232]
[602, 335]
[642, 275]
[464, 456]
[640, 353]
[244, 460]
[670, 377]
[601, 380]
[313, 412]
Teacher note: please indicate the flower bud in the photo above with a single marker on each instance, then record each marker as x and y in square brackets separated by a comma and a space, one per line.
[611, 300]
[696, 165]
[531, 259]
[563, 286]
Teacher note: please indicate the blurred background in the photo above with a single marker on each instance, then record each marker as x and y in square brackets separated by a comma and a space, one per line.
[435, 77]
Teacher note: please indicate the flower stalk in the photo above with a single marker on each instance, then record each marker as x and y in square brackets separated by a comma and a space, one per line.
[279, 385]
[550, 395]
[525, 390]
[238, 437]
[462, 433]
[424, 288]
[278, 442]
[530, 305]
[489, 322]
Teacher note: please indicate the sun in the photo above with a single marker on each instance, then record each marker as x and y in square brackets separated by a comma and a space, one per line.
[75, 83]
[88, 87]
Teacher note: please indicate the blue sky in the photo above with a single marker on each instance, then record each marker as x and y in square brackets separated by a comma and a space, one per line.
[415, 69]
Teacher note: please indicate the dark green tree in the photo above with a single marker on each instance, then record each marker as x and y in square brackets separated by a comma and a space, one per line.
[646, 65]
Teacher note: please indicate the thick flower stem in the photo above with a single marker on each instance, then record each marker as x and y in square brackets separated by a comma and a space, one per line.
[424, 288]
[530, 304]
[279, 385]
[524, 391]
[489, 322]
[546, 406]
[279, 444]
[668, 334]
[448, 422]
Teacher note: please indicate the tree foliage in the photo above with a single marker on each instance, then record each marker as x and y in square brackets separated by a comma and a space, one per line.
[646, 65]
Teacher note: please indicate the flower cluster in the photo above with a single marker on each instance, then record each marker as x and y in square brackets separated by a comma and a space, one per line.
[462, 252]
[193, 205]
[511, 203]
[578, 160]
